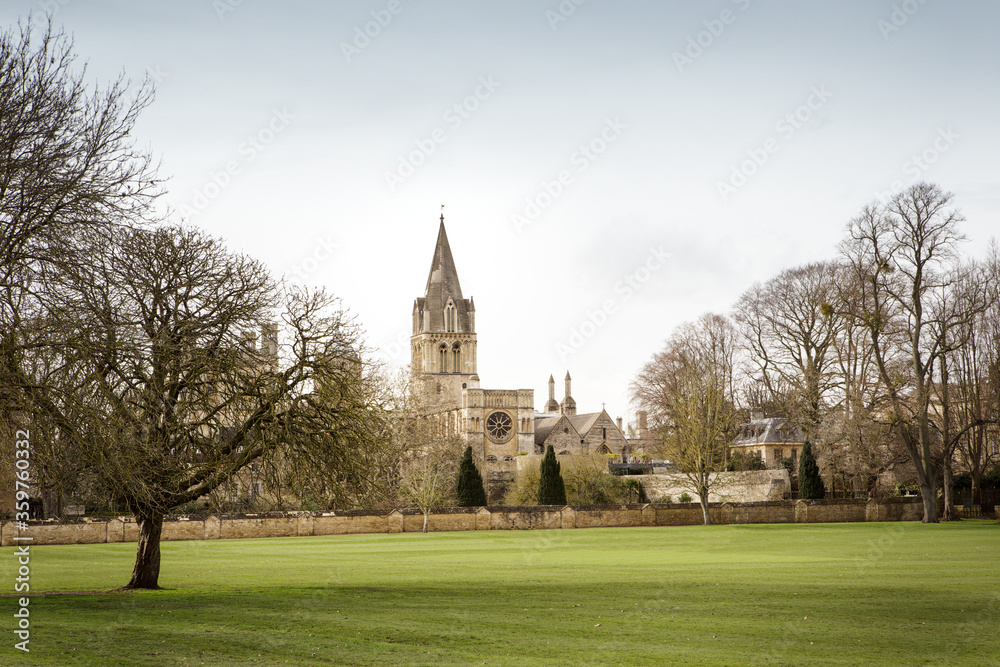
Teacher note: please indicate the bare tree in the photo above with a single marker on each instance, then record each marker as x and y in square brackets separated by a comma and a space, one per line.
[964, 407]
[428, 475]
[957, 408]
[857, 443]
[428, 456]
[688, 390]
[789, 327]
[898, 252]
[68, 165]
[163, 384]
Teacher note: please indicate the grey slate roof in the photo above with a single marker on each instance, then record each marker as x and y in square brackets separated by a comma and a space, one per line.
[772, 429]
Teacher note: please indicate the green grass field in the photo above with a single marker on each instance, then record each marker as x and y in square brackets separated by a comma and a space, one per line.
[852, 594]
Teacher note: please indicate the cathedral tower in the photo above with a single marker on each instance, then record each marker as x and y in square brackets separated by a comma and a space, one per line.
[443, 344]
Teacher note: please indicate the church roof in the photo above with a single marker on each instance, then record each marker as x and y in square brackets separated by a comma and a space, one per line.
[442, 281]
[546, 424]
[583, 423]
[442, 285]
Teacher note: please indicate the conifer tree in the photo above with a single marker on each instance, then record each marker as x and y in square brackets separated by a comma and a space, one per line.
[551, 488]
[470, 489]
[810, 483]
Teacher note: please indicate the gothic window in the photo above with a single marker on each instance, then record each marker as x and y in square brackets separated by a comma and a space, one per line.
[604, 434]
[456, 358]
[444, 359]
[449, 317]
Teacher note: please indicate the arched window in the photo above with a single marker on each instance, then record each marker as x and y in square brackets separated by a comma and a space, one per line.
[444, 359]
[456, 358]
[449, 317]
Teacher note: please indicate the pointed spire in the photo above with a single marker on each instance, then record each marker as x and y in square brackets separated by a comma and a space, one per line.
[568, 405]
[551, 405]
[443, 293]
[442, 281]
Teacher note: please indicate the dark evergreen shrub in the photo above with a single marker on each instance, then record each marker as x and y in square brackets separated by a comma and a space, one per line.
[551, 488]
[810, 483]
[470, 490]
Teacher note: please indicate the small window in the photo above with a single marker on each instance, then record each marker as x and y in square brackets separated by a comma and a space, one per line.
[491, 458]
[508, 458]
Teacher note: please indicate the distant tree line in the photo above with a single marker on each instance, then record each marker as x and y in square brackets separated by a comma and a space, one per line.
[888, 354]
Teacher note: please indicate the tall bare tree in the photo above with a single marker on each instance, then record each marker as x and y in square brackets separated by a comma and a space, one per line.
[965, 405]
[68, 166]
[857, 442]
[164, 386]
[67, 159]
[789, 328]
[688, 390]
[899, 253]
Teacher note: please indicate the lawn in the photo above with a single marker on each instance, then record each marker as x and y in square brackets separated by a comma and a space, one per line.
[851, 594]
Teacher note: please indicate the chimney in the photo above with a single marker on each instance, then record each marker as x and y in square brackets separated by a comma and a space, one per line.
[619, 422]
[642, 415]
[568, 405]
[552, 405]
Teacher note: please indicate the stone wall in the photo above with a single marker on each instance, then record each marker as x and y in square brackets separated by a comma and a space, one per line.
[752, 486]
[124, 529]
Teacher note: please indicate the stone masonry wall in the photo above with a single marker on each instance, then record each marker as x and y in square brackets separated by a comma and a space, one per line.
[294, 524]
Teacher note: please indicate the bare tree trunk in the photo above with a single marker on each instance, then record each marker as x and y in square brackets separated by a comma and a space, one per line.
[146, 573]
[703, 501]
[927, 495]
[949, 501]
[427, 514]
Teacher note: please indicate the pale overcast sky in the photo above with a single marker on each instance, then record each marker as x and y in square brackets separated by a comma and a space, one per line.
[609, 169]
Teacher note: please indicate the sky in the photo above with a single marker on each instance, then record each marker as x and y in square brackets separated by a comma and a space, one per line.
[609, 170]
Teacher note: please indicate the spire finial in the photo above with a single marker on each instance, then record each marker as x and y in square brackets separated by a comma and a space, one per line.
[442, 214]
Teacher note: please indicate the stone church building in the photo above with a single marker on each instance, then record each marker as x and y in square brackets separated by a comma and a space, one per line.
[501, 425]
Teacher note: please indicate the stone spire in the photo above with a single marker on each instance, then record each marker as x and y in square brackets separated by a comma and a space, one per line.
[552, 405]
[443, 294]
[568, 405]
[444, 325]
